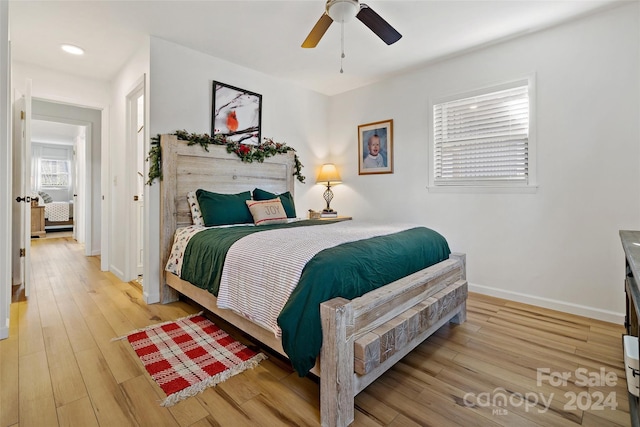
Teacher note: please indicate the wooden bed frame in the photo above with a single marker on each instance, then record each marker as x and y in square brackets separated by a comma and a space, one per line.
[362, 338]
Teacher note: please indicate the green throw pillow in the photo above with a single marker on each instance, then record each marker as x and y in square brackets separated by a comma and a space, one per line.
[286, 199]
[224, 209]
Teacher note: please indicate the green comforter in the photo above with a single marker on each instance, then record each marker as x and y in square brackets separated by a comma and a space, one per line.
[348, 270]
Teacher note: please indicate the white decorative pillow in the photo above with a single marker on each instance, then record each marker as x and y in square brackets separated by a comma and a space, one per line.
[45, 197]
[196, 213]
[267, 211]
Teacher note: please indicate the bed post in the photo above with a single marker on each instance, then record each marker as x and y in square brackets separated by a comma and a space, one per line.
[168, 214]
[461, 317]
[463, 259]
[337, 396]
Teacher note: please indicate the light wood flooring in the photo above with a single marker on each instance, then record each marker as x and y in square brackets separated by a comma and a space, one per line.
[60, 367]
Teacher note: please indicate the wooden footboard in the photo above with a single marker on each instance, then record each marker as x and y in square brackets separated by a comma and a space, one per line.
[48, 223]
[364, 337]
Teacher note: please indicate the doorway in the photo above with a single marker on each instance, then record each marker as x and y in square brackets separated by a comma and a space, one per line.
[87, 216]
[58, 177]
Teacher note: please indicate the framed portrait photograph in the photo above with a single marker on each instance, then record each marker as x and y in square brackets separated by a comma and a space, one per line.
[375, 148]
[236, 113]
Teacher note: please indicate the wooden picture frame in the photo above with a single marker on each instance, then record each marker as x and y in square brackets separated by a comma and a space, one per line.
[236, 114]
[375, 148]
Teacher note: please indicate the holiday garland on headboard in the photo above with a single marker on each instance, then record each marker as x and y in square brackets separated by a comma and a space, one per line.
[246, 152]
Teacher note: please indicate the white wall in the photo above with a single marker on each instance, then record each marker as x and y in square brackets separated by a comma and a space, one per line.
[181, 90]
[558, 247]
[61, 87]
[5, 171]
[119, 191]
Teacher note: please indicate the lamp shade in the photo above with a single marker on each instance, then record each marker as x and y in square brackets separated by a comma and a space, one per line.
[328, 174]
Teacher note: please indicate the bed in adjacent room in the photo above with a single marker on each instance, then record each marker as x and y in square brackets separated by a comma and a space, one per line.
[341, 299]
[56, 214]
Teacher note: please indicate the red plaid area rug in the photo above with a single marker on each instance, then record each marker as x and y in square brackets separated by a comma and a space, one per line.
[186, 356]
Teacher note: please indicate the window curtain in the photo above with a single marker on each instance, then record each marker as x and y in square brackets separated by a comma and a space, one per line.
[36, 155]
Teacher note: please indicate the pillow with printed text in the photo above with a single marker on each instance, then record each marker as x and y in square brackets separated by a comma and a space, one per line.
[266, 212]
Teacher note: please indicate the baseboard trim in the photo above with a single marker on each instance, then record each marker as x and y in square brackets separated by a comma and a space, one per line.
[567, 307]
[119, 274]
[150, 299]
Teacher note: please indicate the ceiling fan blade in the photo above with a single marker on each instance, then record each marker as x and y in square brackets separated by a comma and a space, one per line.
[317, 31]
[379, 26]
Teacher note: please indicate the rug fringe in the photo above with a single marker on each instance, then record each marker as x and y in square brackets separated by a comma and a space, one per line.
[155, 326]
[212, 381]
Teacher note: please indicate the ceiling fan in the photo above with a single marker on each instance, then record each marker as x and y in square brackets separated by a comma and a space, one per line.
[342, 11]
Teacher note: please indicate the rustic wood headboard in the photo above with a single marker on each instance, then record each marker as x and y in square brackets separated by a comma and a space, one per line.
[188, 168]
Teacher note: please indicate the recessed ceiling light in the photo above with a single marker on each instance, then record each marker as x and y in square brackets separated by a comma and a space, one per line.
[74, 50]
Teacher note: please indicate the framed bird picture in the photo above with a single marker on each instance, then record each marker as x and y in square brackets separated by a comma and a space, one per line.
[236, 114]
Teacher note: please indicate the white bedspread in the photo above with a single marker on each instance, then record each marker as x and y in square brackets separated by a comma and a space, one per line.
[262, 269]
[56, 211]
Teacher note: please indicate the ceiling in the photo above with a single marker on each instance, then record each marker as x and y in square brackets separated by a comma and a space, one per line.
[266, 35]
[55, 132]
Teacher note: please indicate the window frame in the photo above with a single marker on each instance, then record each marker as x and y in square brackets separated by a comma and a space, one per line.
[486, 186]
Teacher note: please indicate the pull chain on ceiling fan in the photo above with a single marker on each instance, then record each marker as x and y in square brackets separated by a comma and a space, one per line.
[341, 45]
[342, 11]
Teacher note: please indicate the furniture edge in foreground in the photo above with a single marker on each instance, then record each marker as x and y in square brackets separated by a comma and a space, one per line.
[631, 245]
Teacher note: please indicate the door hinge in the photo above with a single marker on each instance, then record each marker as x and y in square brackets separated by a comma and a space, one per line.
[22, 115]
[23, 252]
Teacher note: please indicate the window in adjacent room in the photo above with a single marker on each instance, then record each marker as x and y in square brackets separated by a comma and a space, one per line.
[484, 138]
[54, 173]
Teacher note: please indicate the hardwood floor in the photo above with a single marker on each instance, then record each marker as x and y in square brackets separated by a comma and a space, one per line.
[503, 367]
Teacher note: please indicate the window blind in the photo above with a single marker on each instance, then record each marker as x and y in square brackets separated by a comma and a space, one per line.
[54, 173]
[483, 140]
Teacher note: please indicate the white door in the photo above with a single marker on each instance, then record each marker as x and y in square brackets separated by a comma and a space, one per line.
[140, 158]
[74, 188]
[136, 141]
[140, 193]
[21, 239]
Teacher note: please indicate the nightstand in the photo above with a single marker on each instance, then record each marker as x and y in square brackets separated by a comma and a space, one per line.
[37, 221]
[339, 218]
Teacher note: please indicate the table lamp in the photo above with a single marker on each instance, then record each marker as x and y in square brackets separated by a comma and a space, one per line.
[328, 175]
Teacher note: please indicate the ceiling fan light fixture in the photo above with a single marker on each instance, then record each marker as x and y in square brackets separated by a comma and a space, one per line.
[342, 10]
